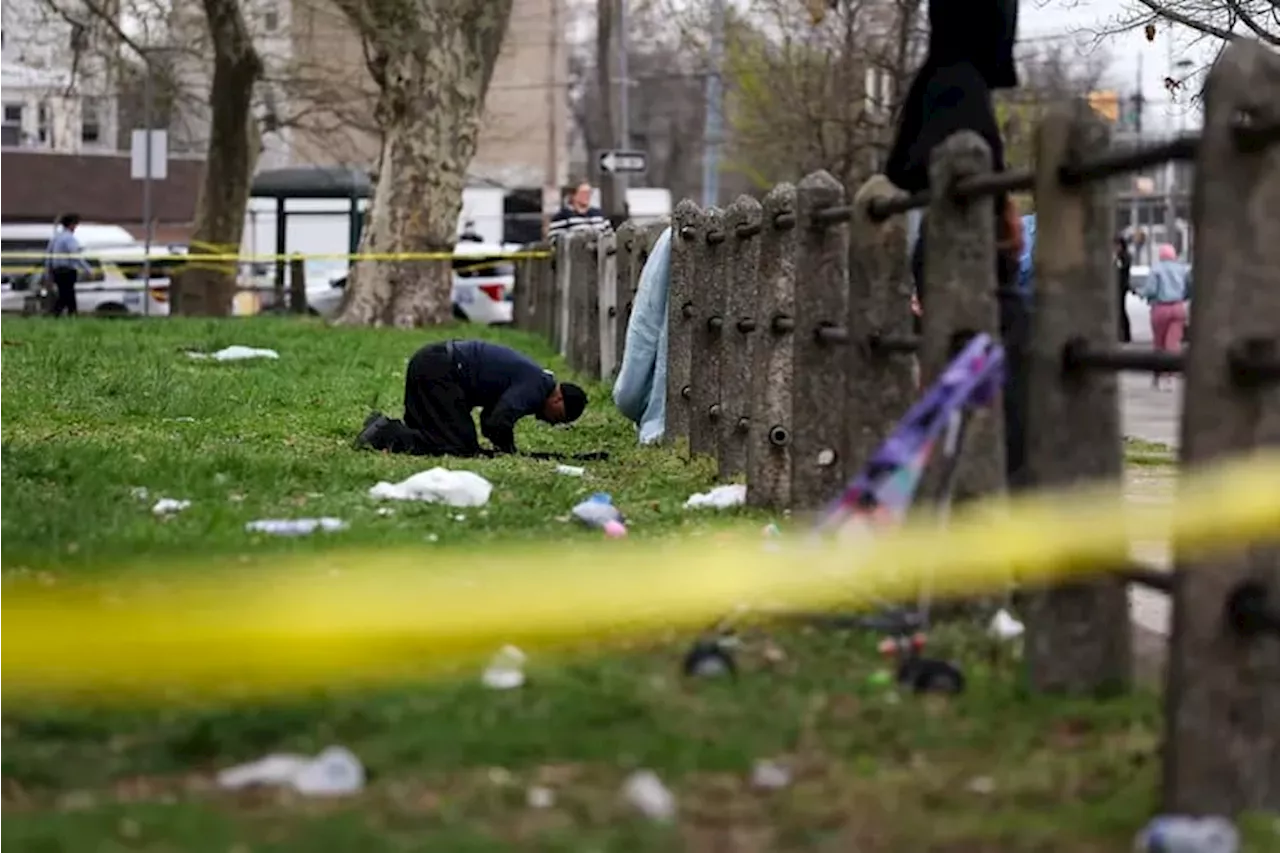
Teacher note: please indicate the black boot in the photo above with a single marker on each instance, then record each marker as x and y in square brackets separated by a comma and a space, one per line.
[375, 424]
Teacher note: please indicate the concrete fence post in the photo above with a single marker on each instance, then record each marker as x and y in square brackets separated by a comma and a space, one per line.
[1078, 634]
[626, 245]
[880, 383]
[821, 344]
[709, 277]
[687, 242]
[742, 226]
[559, 319]
[584, 302]
[607, 256]
[1222, 749]
[773, 359]
[525, 293]
[959, 299]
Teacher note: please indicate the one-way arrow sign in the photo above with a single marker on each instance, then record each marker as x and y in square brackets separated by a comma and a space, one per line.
[623, 162]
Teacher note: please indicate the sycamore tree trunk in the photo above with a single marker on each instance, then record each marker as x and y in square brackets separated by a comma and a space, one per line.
[207, 289]
[432, 61]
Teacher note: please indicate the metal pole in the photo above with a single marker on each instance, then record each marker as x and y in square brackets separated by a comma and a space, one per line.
[147, 110]
[551, 181]
[715, 121]
[624, 86]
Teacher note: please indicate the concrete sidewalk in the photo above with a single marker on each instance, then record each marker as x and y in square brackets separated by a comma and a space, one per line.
[1150, 415]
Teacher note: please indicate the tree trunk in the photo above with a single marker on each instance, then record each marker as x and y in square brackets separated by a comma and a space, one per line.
[207, 289]
[432, 61]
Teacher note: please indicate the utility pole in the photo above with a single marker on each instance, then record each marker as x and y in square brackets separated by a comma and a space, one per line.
[624, 101]
[551, 181]
[610, 185]
[714, 129]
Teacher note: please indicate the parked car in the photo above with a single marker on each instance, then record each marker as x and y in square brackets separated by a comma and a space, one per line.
[483, 285]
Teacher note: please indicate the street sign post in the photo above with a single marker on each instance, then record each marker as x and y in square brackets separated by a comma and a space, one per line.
[623, 162]
[148, 162]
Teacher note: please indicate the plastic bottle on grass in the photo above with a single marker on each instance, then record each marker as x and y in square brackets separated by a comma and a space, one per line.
[598, 511]
[1185, 834]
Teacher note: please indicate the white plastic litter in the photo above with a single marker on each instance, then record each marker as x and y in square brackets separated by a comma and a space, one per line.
[334, 772]
[1004, 627]
[438, 485]
[169, 506]
[645, 792]
[236, 353]
[770, 776]
[570, 470]
[721, 497]
[140, 493]
[295, 526]
[506, 670]
[540, 797]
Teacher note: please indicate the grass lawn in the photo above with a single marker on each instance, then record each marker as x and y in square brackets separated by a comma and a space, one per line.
[96, 409]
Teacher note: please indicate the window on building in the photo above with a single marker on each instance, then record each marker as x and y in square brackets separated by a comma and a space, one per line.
[12, 130]
[43, 130]
[271, 19]
[90, 122]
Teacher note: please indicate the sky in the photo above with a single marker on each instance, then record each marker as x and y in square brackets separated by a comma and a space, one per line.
[1082, 25]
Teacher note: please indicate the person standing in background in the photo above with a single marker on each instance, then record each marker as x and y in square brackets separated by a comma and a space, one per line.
[63, 264]
[1166, 291]
[971, 56]
[578, 213]
[1123, 262]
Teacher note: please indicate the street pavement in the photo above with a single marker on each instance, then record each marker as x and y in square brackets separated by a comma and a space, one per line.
[1150, 415]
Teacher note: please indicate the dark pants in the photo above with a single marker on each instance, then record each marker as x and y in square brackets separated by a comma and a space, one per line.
[1122, 318]
[437, 417]
[64, 283]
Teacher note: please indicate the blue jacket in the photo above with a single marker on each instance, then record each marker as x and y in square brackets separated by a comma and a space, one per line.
[507, 385]
[1168, 281]
[640, 391]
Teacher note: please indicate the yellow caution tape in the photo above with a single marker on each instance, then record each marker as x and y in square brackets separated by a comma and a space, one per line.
[359, 617]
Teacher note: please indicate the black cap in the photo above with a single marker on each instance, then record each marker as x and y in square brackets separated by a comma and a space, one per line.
[575, 401]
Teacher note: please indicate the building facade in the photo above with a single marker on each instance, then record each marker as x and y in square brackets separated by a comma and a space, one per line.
[58, 81]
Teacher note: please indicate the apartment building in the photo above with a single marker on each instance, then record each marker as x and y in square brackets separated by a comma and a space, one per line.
[57, 85]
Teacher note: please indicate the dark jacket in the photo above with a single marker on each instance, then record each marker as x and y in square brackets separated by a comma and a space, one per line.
[504, 384]
[970, 56]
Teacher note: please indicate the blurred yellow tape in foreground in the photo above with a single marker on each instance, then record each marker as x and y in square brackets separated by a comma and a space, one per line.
[384, 615]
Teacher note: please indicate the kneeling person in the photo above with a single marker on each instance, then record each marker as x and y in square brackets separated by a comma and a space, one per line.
[445, 381]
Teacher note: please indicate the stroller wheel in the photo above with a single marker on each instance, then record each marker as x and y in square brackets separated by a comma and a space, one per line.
[928, 675]
[709, 659]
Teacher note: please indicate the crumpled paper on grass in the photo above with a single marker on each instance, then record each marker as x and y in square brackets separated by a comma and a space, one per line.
[235, 353]
[721, 497]
[334, 772]
[438, 485]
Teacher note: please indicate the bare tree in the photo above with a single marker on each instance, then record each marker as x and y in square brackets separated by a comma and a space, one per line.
[666, 100]
[1221, 20]
[432, 61]
[207, 289]
[817, 87]
[1049, 76]
[233, 132]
